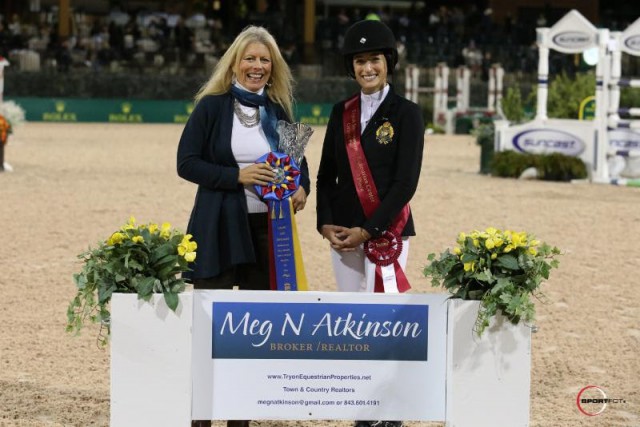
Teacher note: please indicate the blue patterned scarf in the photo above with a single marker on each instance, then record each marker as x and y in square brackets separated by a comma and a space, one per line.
[268, 117]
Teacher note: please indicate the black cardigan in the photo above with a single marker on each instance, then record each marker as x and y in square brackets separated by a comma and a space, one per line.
[395, 167]
[219, 220]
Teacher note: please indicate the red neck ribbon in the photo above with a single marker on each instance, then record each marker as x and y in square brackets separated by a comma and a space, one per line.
[369, 199]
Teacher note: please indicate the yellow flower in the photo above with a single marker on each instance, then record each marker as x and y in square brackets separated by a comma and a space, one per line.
[116, 238]
[534, 242]
[469, 266]
[457, 250]
[518, 239]
[187, 248]
[494, 255]
[489, 243]
[461, 238]
[165, 230]
[130, 225]
[492, 231]
[153, 228]
[476, 243]
[498, 242]
[137, 239]
[533, 251]
[508, 248]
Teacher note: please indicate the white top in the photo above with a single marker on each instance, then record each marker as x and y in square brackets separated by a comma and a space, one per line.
[369, 105]
[247, 145]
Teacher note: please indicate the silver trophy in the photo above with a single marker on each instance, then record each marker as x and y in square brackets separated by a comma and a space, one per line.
[294, 138]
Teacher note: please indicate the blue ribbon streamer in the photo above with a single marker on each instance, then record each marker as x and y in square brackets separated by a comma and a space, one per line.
[282, 243]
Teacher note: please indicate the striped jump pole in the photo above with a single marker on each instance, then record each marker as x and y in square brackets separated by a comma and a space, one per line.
[629, 83]
[629, 112]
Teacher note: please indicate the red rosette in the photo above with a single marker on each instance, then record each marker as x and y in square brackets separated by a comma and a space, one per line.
[384, 250]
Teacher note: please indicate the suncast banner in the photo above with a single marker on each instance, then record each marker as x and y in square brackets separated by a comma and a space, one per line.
[319, 355]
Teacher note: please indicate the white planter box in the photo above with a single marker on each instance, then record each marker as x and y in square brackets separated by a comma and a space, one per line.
[488, 378]
[150, 361]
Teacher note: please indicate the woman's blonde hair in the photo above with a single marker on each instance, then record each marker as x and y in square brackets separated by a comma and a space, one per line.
[280, 87]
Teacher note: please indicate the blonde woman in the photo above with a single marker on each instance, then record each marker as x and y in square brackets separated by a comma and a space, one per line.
[233, 124]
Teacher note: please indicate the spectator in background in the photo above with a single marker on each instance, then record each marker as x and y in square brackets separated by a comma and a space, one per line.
[472, 57]
[182, 36]
[5, 38]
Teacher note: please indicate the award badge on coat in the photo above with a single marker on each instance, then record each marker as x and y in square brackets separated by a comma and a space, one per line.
[285, 254]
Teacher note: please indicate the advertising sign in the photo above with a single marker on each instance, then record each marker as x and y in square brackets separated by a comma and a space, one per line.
[311, 355]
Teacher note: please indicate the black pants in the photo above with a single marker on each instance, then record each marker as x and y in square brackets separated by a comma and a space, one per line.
[253, 276]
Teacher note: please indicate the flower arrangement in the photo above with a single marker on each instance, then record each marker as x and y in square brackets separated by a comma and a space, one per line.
[5, 130]
[142, 259]
[502, 269]
[11, 115]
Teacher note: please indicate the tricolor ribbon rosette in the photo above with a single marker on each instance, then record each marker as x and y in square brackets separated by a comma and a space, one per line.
[285, 255]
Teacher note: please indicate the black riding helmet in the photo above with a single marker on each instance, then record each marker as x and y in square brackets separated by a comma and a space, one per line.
[369, 36]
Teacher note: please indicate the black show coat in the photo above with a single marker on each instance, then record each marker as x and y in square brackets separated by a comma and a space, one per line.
[395, 167]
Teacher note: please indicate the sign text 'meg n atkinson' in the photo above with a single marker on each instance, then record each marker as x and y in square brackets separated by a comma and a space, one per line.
[319, 331]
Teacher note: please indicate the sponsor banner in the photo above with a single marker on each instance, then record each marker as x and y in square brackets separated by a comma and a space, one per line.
[135, 111]
[624, 139]
[313, 114]
[630, 39]
[104, 110]
[573, 34]
[333, 331]
[540, 140]
[319, 355]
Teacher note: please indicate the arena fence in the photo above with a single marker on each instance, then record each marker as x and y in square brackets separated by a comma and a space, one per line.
[442, 114]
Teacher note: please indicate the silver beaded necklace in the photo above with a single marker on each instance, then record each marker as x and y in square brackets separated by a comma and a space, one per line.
[246, 120]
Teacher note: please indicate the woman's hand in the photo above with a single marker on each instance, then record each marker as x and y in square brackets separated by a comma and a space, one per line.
[299, 199]
[351, 238]
[331, 232]
[256, 174]
[344, 239]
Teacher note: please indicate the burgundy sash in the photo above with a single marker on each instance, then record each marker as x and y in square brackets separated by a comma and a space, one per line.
[384, 250]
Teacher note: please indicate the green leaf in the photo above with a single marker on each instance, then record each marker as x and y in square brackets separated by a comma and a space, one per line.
[508, 261]
[145, 286]
[171, 299]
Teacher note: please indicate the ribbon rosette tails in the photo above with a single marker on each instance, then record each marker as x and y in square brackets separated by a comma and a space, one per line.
[285, 255]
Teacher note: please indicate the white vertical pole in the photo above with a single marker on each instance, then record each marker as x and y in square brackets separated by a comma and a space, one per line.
[437, 93]
[466, 87]
[445, 88]
[499, 78]
[616, 72]
[605, 72]
[411, 76]
[415, 78]
[459, 89]
[491, 99]
[407, 83]
[543, 72]
[3, 63]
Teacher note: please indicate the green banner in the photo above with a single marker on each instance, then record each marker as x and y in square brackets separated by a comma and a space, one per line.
[135, 111]
[104, 110]
[313, 114]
